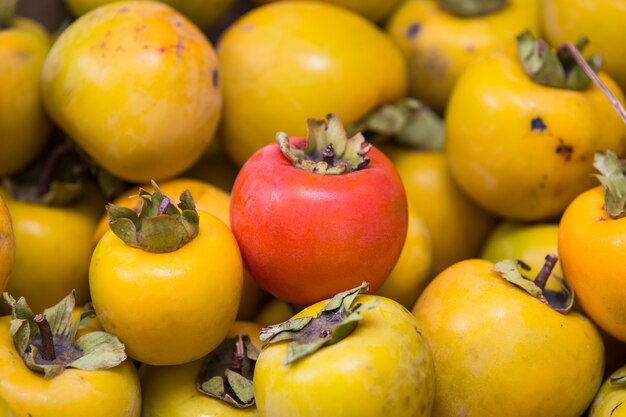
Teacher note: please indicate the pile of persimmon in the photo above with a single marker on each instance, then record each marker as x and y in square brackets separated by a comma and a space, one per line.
[312, 208]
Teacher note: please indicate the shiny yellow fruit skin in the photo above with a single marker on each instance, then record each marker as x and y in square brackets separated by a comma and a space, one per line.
[438, 45]
[383, 368]
[74, 393]
[610, 401]
[274, 311]
[500, 352]
[168, 308]
[412, 271]
[458, 227]
[5, 411]
[375, 10]
[24, 125]
[7, 244]
[204, 13]
[529, 243]
[591, 245]
[170, 391]
[136, 85]
[52, 249]
[214, 167]
[521, 150]
[602, 22]
[281, 66]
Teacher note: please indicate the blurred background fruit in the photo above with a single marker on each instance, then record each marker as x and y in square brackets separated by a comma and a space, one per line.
[24, 124]
[120, 114]
[204, 13]
[280, 66]
[439, 43]
[375, 10]
[602, 22]
[7, 244]
[458, 227]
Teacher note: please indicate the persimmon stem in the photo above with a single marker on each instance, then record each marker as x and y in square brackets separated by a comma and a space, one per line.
[51, 163]
[580, 60]
[236, 363]
[328, 154]
[47, 342]
[546, 270]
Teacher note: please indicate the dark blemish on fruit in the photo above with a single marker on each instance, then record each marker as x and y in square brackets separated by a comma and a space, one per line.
[140, 28]
[145, 47]
[615, 408]
[413, 30]
[123, 10]
[565, 150]
[107, 33]
[601, 219]
[538, 124]
[470, 48]
[162, 49]
[215, 77]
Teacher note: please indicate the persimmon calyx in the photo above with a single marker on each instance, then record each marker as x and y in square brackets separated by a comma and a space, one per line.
[328, 149]
[160, 226]
[55, 178]
[617, 380]
[7, 12]
[47, 342]
[334, 323]
[408, 122]
[227, 372]
[613, 177]
[555, 68]
[561, 301]
[472, 8]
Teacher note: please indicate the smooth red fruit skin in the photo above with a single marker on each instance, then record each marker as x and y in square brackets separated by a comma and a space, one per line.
[305, 237]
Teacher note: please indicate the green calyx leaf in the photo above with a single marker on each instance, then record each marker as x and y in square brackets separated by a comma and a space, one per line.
[557, 69]
[47, 342]
[227, 372]
[55, 178]
[561, 301]
[613, 177]
[328, 150]
[7, 12]
[160, 226]
[472, 8]
[617, 380]
[408, 122]
[308, 334]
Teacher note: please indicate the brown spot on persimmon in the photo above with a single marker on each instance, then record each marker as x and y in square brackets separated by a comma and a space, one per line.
[564, 150]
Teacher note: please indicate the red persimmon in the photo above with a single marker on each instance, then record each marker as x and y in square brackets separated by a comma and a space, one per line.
[318, 215]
